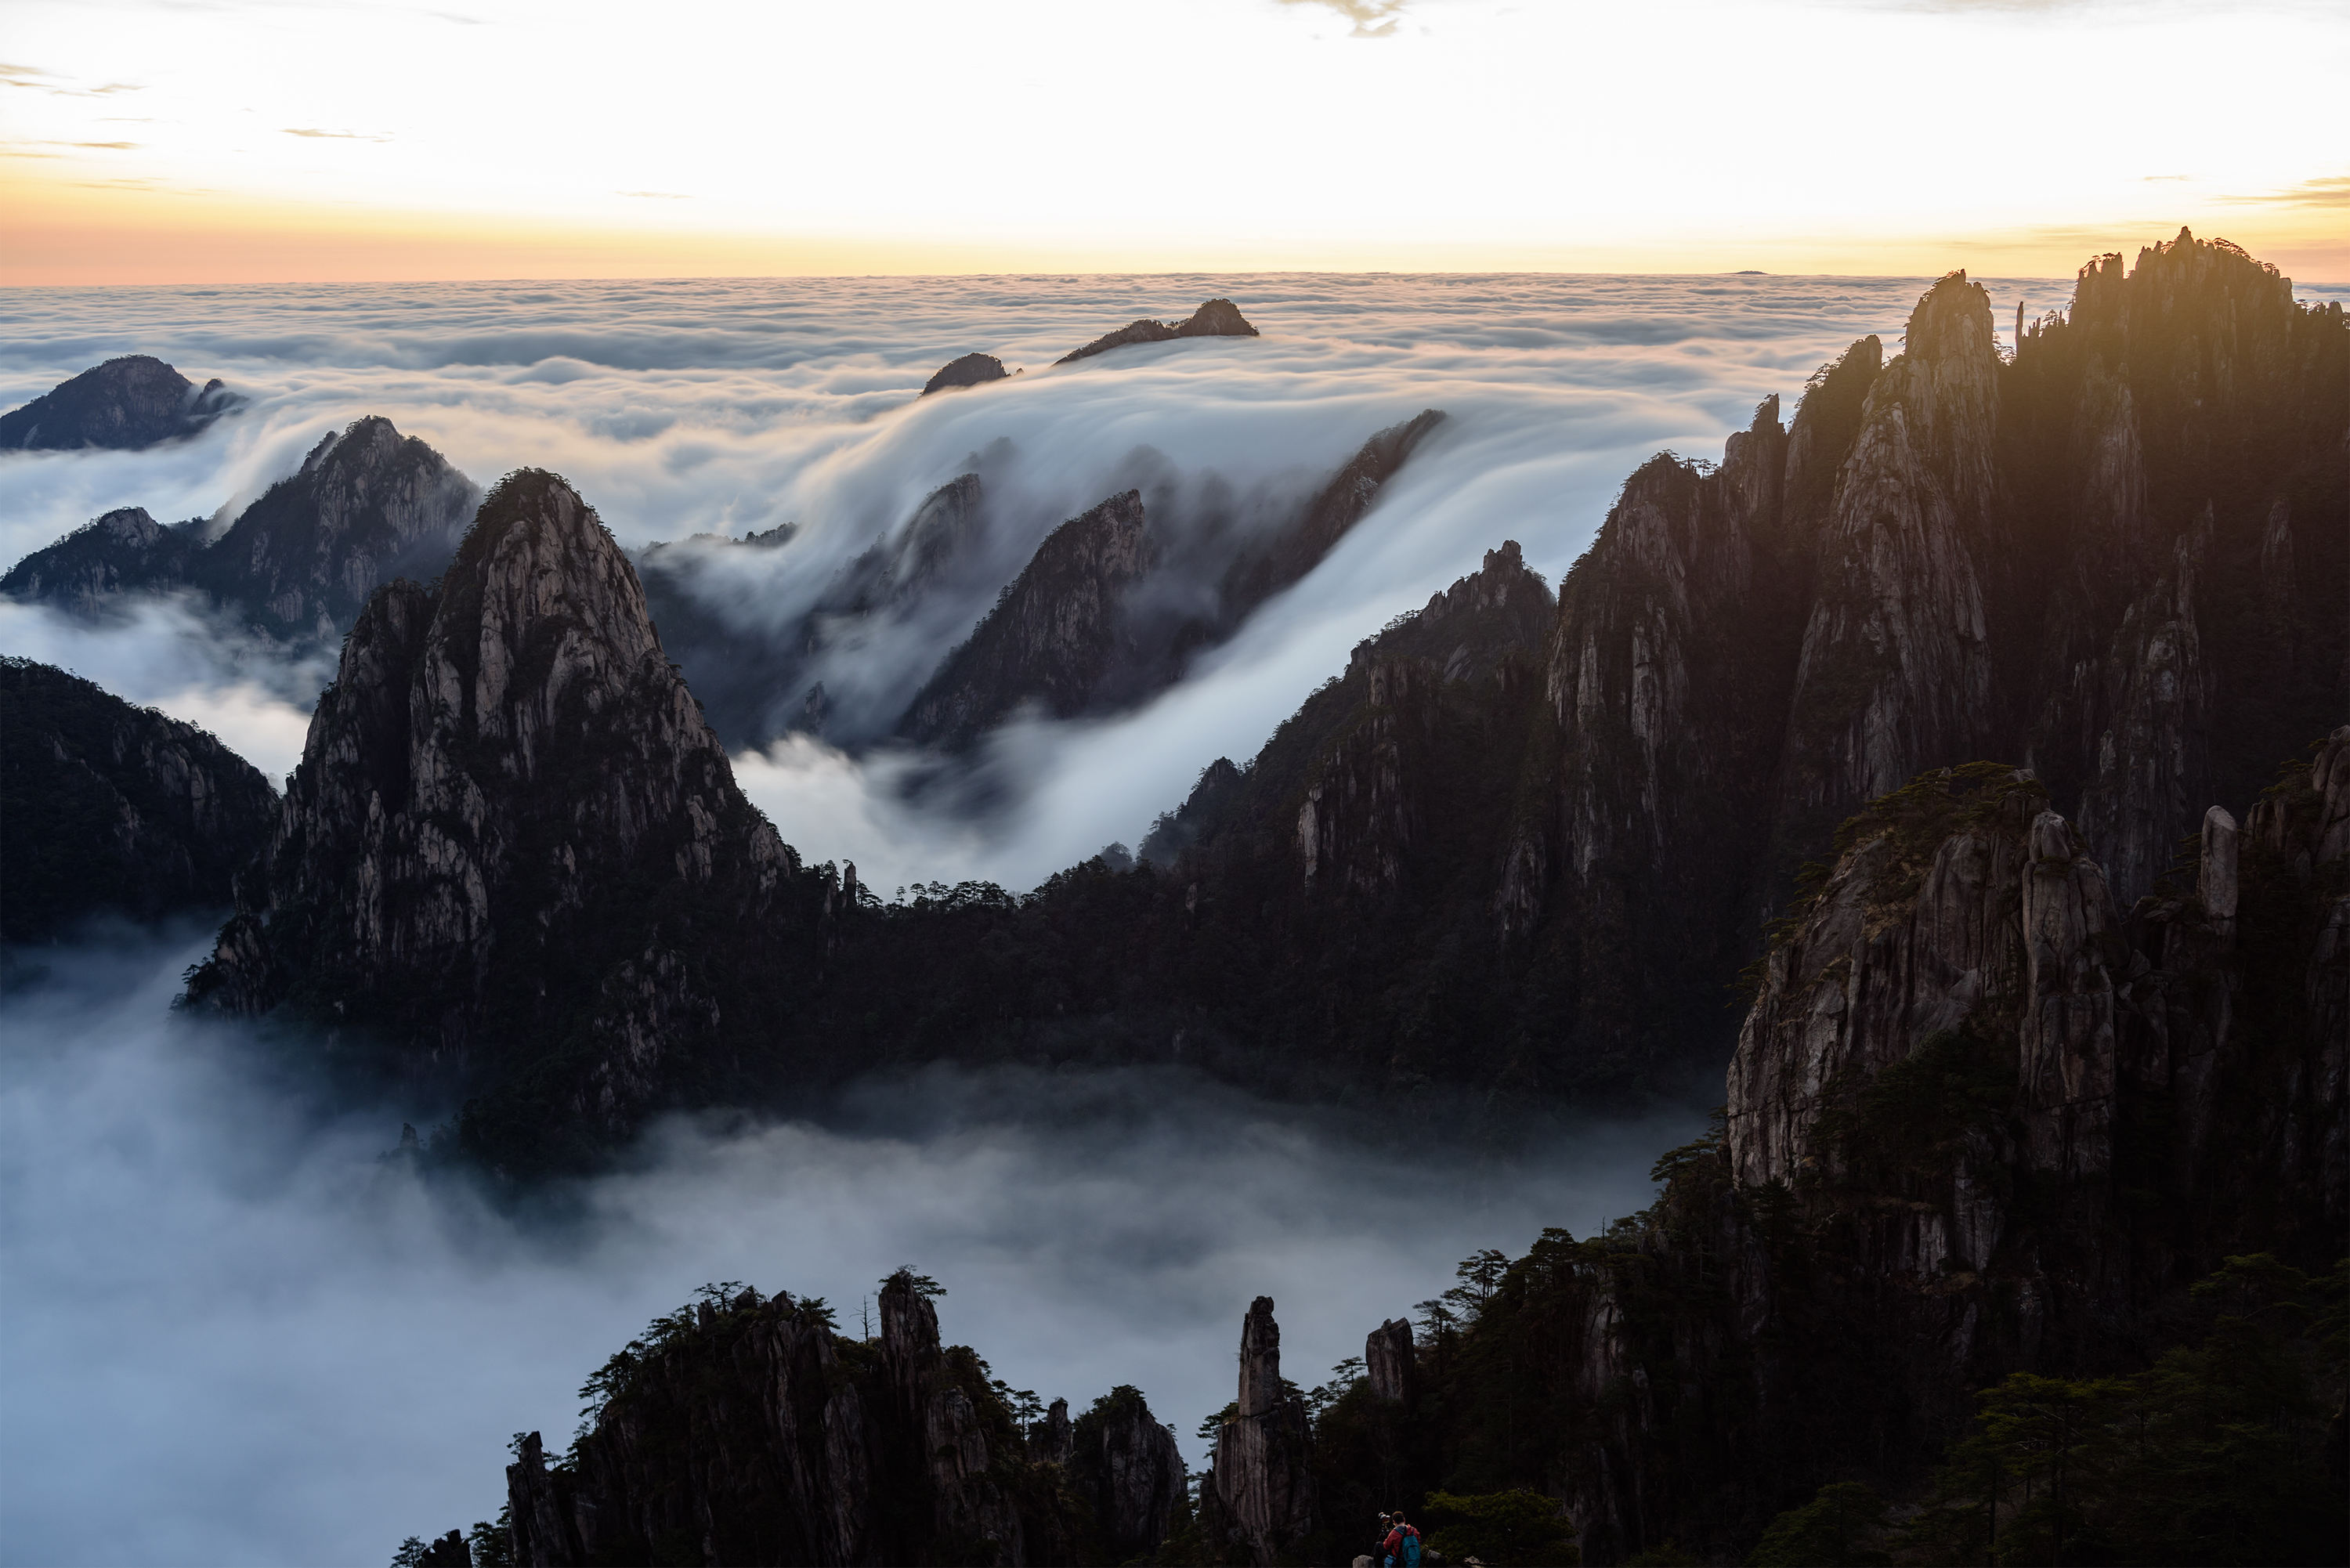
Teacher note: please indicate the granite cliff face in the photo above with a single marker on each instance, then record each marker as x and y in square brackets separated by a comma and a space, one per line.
[367, 505]
[749, 1430]
[1125, 1468]
[1216, 318]
[759, 681]
[1980, 1121]
[126, 404]
[1257, 1504]
[1950, 555]
[1522, 845]
[513, 847]
[105, 808]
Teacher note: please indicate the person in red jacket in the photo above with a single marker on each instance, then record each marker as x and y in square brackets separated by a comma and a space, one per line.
[1402, 1544]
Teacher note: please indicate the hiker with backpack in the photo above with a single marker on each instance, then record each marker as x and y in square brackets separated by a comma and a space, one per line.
[1402, 1544]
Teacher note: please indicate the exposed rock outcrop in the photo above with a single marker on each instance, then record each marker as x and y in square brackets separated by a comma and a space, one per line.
[1124, 1464]
[759, 681]
[1388, 1362]
[971, 370]
[367, 505]
[513, 841]
[88, 571]
[1259, 1497]
[747, 1429]
[1136, 620]
[127, 404]
[1216, 318]
[108, 808]
[1057, 631]
[1100, 622]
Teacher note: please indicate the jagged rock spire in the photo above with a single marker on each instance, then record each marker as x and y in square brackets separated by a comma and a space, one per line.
[1263, 1482]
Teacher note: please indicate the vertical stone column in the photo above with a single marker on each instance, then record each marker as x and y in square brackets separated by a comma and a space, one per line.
[1263, 1479]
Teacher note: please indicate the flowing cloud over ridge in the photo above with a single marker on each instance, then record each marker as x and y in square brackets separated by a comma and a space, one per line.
[729, 407]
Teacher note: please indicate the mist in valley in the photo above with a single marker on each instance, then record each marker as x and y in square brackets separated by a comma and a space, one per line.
[231, 1330]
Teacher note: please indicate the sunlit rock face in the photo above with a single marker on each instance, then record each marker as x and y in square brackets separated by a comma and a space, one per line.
[113, 809]
[128, 403]
[367, 505]
[512, 830]
[1950, 555]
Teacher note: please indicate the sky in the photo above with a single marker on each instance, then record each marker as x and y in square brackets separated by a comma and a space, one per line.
[267, 140]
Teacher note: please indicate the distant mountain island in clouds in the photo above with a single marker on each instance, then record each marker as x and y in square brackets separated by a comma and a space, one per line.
[126, 404]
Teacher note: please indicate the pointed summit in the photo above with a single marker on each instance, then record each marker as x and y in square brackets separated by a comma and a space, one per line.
[513, 847]
[368, 504]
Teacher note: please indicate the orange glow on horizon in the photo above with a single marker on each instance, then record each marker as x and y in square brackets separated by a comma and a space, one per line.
[58, 234]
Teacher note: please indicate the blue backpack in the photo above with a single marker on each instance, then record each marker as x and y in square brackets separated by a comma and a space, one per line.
[1411, 1547]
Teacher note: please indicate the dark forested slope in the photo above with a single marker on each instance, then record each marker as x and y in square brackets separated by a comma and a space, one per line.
[108, 808]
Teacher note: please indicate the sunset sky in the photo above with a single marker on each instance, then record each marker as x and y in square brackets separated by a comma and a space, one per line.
[256, 141]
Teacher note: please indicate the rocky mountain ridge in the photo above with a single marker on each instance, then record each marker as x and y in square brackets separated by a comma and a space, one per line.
[1980, 1121]
[127, 404]
[1522, 844]
[1094, 622]
[367, 505]
[1215, 319]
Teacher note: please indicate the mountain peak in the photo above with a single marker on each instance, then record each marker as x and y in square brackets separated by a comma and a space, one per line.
[509, 781]
[1953, 320]
[132, 401]
[367, 505]
[1215, 319]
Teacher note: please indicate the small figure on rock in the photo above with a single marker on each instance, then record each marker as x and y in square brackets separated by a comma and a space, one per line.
[1402, 1545]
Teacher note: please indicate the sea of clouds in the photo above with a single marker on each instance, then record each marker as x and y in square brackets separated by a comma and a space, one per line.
[731, 406]
[228, 1333]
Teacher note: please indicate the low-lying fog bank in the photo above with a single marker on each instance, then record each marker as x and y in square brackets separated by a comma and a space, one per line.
[230, 1333]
